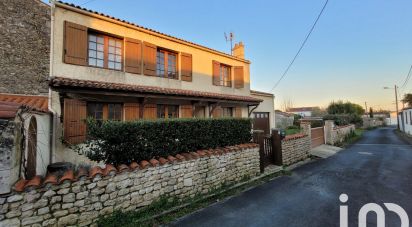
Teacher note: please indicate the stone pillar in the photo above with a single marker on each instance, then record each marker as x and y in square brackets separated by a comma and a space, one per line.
[329, 125]
[306, 129]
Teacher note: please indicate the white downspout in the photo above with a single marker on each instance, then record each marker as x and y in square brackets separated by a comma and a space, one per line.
[54, 114]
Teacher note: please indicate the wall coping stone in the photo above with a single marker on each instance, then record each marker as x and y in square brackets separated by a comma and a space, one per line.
[294, 136]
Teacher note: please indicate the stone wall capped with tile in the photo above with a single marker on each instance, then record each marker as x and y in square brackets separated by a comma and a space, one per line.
[79, 197]
[295, 148]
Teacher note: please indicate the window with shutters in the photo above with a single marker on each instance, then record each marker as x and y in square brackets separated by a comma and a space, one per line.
[167, 111]
[105, 51]
[224, 76]
[227, 111]
[105, 111]
[166, 64]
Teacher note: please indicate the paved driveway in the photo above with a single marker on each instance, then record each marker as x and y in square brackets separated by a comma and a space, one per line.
[376, 169]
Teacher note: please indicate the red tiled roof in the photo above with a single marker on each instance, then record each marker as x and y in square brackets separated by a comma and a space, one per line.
[148, 29]
[10, 103]
[67, 82]
[71, 176]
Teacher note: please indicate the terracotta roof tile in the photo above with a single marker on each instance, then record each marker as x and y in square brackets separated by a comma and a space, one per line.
[19, 186]
[67, 176]
[95, 171]
[38, 103]
[134, 165]
[122, 168]
[109, 169]
[144, 164]
[50, 179]
[171, 158]
[35, 182]
[163, 161]
[76, 83]
[154, 162]
[81, 172]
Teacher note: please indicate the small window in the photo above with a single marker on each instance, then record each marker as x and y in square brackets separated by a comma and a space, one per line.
[115, 112]
[105, 51]
[105, 111]
[225, 76]
[95, 110]
[166, 64]
[167, 111]
[227, 112]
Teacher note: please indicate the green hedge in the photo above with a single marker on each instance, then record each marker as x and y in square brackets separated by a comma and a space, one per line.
[123, 142]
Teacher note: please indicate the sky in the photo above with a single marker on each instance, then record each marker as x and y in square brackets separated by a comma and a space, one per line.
[356, 49]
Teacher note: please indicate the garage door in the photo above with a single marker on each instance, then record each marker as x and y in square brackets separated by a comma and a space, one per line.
[261, 122]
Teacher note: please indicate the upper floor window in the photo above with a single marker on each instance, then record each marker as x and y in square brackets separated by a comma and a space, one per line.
[224, 76]
[167, 111]
[166, 64]
[105, 51]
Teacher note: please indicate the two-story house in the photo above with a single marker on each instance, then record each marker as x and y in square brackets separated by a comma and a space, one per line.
[108, 68]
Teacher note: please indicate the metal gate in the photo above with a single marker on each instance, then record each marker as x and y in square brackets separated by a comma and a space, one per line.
[317, 136]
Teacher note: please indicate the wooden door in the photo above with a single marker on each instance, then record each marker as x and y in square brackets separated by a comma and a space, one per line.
[30, 170]
[261, 122]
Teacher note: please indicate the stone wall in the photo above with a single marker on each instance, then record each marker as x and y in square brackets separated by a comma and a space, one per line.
[336, 134]
[10, 152]
[295, 148]
[79, 198]
[24, 46]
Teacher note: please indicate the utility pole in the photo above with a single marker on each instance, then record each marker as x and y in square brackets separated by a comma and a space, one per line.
[366, 109]
[396, 100]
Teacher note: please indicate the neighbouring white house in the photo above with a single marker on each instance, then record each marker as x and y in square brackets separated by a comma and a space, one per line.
[302, 111]
[405, 120]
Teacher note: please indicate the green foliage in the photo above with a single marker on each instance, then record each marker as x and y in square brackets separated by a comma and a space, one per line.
[345, 108]
[407, 99]
[344, 119]
[123, 142]
[296, 118]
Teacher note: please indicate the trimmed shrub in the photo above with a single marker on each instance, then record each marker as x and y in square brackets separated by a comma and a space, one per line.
[123, 142]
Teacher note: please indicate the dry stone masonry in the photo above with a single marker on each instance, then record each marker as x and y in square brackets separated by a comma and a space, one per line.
[24, 46]
[78, 199]
[295, 148]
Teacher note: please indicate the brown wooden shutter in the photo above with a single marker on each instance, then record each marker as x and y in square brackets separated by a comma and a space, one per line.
[75, 43]
[239, 77]
[217, 112]
[216, 73]
[149, 59]
[131, 111]
[238, 111]
[133, 52]
[187, 111]
[186, 67]
[150, 111]
[74, 121]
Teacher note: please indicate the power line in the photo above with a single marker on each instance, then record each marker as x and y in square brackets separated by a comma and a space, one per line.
[407, 78]
[301, 47]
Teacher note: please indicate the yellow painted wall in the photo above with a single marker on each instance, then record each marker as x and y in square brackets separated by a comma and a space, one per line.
[202, 60]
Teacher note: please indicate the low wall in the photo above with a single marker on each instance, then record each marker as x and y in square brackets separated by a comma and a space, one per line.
[372, 122]
[338, 134]
[79, 198]
[295, 148]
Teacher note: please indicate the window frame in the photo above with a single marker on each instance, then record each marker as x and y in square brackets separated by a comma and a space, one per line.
[166, 53]
[106, 111]
[166, 109]
[228, 108]
[106, 38]
[222, 81]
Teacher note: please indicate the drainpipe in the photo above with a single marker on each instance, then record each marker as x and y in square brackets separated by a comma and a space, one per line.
[54, 114]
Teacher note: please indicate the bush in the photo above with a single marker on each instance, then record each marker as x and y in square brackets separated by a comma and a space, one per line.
[344, 119]
[123, 142]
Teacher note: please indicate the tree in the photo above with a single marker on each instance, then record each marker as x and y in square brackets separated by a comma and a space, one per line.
[318, 112]
[287, 104]
[341, 107]
[407, 98]
[370, 112]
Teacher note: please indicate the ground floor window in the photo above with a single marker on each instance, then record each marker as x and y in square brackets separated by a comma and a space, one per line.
[227, 111]
[167, 111]
[105, 111]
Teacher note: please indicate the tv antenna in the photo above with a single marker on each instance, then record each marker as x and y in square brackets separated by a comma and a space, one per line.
[230, 39]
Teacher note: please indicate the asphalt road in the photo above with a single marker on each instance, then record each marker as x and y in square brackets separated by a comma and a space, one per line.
[376, 169]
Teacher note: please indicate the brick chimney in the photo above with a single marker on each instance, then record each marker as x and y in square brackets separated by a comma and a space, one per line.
[239, 50]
